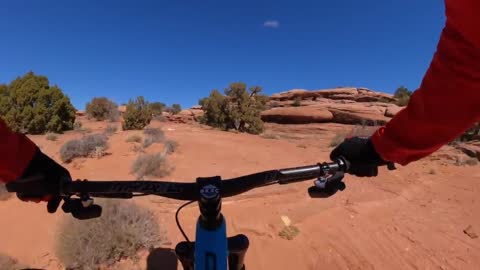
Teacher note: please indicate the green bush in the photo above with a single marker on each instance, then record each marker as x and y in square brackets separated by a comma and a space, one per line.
[102, 108]
[238, 109]
[151, 165]
[156, 108]
[402, 94]
[137, 114]
[30, 105]
[123, 229]
[176, 108]
[89, 145]
[51, 136]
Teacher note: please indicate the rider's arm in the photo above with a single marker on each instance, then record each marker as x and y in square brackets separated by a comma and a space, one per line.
[16, 152]
[448, 100]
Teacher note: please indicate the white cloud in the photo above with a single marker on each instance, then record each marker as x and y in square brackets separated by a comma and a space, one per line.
[271, 24]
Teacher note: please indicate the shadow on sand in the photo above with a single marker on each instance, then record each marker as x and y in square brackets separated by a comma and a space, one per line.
[162, 259]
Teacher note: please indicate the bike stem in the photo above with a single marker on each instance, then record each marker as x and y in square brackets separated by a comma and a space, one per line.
[211, 229]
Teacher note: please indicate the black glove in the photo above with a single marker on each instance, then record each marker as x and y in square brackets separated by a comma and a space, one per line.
[41, 181]
[359, 151]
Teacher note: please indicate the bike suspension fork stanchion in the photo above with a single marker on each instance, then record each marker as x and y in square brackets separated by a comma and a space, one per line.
[237, 248]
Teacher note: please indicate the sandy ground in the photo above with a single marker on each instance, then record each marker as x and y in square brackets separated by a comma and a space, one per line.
[411, 218]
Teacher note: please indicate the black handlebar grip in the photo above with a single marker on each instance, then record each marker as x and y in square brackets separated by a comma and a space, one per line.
[391, 166]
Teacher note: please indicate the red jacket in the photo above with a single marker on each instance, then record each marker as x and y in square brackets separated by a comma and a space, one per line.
[446, 104]
[448, 100]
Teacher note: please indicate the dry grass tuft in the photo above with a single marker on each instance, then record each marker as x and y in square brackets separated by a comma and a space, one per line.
[151, 165]
[123, 229]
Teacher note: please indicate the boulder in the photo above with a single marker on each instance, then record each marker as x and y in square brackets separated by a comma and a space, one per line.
[297, 115]
[185, 116]
[341, 93]
[357, 116]
[327, 110]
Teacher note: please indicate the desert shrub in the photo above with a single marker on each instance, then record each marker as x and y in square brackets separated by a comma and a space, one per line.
[160, 118]
[402, 94]
[9, 263]
[90, 145]
[134, 138]
[289, 232]
[156, 108]
[77, 126]
[102, 108]
[153, 135]
[270, 136]
[137, 148]
[51, 136]
[110, 129]
[4, 194]
[151, 165]
[170, 146]
[120, 232]
[137, 114]
[176, 108]
[30, 105]
[297, 102]
[238, 109]
[471, 134]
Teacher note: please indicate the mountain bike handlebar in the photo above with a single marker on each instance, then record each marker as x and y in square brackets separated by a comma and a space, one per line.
[189, 191]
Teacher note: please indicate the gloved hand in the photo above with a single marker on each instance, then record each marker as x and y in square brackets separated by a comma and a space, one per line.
[41, 181]
[359, 151]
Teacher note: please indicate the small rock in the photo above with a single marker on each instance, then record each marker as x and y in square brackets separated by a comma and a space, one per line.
[469, 231]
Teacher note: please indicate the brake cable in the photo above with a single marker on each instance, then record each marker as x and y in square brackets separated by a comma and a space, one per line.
[178, 223]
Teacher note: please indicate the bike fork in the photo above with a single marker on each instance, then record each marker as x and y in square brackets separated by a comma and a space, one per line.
[237, 248]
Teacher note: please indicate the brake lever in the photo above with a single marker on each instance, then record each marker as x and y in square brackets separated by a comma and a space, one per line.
[327, 186]
[82, 208]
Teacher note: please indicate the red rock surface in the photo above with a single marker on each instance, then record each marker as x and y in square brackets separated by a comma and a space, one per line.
[345, 105]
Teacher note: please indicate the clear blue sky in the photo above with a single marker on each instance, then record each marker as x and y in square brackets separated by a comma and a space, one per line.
[177, 51]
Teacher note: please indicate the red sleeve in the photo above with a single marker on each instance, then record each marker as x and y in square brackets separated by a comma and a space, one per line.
[16, 151]
[448, 100]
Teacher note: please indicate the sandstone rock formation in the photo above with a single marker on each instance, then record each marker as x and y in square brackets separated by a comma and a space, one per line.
[341, 105]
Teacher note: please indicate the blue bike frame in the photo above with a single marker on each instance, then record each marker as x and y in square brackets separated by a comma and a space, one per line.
[211, 250]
